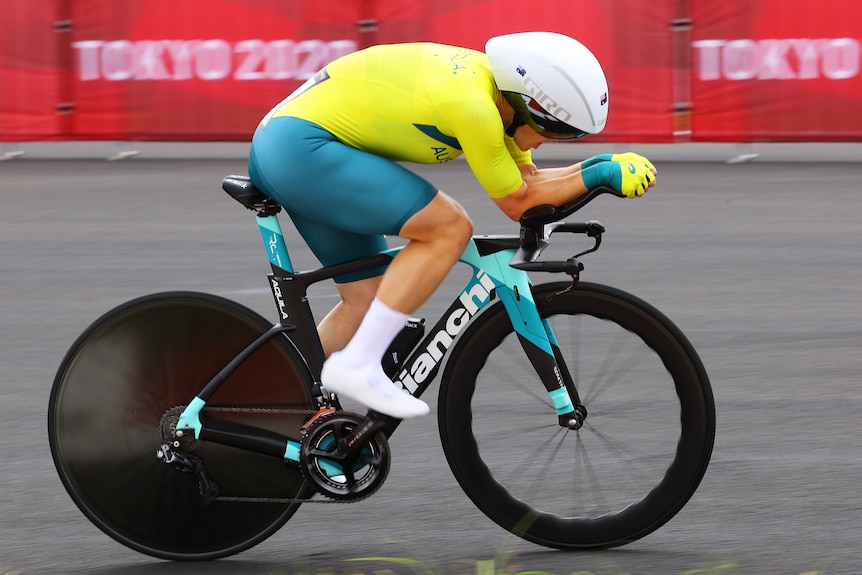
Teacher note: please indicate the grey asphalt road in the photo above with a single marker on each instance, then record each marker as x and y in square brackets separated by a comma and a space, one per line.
[759, 263]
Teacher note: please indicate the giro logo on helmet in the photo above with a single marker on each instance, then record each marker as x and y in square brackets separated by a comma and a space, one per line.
[545, 101]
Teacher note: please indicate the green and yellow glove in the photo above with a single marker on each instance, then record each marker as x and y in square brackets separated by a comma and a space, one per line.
[629, 174]
[624, 157]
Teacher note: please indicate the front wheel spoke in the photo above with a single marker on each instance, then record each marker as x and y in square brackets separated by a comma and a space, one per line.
[623, 451]
[596, 491]
[614, 368]
[529, 461]
[542, 473]
[517, 383]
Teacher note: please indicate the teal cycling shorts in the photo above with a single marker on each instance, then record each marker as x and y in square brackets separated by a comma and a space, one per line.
[342, 200]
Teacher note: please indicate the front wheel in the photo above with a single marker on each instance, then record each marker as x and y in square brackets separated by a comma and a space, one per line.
[641, 453]
[126, 371]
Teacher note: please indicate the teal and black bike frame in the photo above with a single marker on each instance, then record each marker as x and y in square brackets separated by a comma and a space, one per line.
[491, 259]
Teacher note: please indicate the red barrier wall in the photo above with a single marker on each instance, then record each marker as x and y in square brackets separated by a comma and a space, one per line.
[776, 70]
[30, 75]
[736, 70]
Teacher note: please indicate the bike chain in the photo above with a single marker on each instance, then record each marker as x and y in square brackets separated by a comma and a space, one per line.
[276, 500]
[278, 410]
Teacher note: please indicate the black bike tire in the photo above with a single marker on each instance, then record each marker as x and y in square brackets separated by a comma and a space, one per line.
[130, 366]
[634, 521]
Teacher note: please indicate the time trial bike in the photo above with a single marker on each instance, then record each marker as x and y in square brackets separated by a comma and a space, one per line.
[574, 415]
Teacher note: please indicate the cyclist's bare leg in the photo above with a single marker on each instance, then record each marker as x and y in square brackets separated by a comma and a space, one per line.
[438, 234]
[341, 322]
[432, 261]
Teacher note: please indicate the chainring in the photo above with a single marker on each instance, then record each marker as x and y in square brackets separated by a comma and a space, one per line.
[324, 455]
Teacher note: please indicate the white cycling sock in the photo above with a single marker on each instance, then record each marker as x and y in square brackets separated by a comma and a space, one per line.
[355, 372]
[378, 328]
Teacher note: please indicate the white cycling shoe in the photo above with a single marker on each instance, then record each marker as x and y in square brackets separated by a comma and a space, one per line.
[371, 388]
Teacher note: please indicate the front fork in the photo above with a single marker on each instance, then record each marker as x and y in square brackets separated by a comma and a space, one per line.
[541, 347]
[554, 373]
[575, 418]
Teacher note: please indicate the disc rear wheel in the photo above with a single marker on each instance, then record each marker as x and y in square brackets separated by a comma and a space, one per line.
[118, 381]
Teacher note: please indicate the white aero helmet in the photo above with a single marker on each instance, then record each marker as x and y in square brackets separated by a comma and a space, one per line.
[554, 82]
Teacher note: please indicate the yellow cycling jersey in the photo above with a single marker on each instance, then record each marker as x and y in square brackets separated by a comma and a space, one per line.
[421, 102]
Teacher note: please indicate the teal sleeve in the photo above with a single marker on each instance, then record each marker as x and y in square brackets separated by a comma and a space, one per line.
[603, 174]
[595, 160]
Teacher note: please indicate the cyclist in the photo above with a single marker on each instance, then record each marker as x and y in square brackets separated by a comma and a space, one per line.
[328, 152]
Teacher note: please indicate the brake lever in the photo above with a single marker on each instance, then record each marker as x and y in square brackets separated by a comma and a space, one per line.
[598, 238]
[573, 285]
[594, 230]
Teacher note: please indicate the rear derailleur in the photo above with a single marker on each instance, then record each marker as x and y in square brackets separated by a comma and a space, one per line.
[177, 451]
